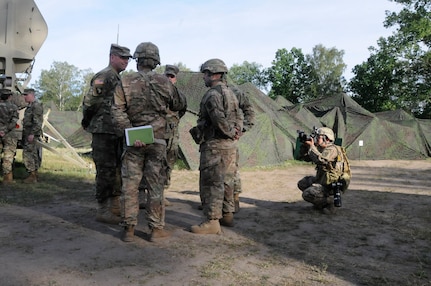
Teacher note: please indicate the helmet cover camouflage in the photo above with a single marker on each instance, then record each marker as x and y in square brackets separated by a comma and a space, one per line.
[147, 50]
[214, 66]
[327, 132]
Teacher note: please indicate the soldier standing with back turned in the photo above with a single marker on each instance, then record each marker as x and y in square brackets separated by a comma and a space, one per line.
[147, 98]
[106, 143]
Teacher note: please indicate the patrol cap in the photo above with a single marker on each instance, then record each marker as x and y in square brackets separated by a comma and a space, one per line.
[5, 93]
[28, 90]
[171, 70]
[120, 51]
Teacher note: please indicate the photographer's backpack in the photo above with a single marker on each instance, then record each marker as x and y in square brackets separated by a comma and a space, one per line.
[347, 173]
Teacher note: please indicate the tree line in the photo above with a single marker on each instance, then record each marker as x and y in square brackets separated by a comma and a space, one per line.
[396, 75]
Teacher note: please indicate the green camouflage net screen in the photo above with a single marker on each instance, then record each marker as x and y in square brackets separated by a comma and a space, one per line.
[273, 139]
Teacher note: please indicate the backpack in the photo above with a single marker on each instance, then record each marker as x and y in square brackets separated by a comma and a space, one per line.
[346, 174]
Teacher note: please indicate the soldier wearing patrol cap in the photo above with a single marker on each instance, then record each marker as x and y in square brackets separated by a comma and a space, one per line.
[106, 141]
[171, 71]
[8, 138]
[172, 131]
[31, 132]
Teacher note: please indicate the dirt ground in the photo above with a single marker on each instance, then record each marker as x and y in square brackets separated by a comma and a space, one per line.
[380, 236]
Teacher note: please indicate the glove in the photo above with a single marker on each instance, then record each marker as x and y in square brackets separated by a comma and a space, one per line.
[196, 135]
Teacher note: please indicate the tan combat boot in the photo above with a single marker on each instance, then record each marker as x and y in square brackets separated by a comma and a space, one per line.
[32, 178]
[227, 220]
[115, 205]
[128, 233]
[105, 215]
[157, 233]
[236, 202]
[208, 227]
[8, 178]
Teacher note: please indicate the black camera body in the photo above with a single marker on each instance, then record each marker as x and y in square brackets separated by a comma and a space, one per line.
[336, 188]
[303, 137]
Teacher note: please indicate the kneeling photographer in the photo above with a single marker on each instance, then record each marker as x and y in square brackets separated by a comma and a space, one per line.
[332, 176]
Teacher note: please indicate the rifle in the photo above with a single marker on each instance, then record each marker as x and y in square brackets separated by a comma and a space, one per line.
[192, 112]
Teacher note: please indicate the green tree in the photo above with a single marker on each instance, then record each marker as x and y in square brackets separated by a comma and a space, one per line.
[327, 67]
[398, 72]
[63, 84]
[289, 75]
[373, 85]
[248, 72]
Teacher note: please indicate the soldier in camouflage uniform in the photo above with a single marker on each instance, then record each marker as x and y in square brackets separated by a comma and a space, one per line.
[172, 129]
[32, 130]
[106, 142]
[217, 132]
[147, 98]
[8, 136]
[324, 153]
[248, 113]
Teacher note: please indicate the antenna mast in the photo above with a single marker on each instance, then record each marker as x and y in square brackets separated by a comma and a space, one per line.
[118, 33]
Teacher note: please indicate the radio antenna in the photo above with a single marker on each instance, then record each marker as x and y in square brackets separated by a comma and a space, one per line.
[118, 33]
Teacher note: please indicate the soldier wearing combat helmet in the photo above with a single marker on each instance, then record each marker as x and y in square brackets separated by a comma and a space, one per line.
[147, 98]
[8, 137]
[217, 132]
[329, 161]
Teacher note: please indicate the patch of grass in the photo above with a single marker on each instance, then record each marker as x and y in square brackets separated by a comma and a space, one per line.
[57, 177]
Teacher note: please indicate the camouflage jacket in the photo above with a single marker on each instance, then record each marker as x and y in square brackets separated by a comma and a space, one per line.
[246, 108]
[327, 168]
[96, 107]
[8, 116]
[219, 118]
[33, 119]
[173, 119]
[147, 98]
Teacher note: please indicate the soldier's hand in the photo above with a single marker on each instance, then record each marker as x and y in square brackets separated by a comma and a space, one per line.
[139, 143]
[238, 133]
[30, 138]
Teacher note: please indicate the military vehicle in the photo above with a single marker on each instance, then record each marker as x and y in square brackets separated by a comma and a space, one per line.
[22, 33]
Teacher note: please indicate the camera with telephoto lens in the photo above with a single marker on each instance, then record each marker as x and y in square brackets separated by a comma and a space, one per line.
[303, 137]
[336, 188]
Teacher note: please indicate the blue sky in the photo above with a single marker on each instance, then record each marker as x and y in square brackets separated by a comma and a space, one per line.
[80, 32]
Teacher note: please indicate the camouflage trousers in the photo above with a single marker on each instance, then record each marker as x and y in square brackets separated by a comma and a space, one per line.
[8, 145]
[312, 192]
[107, 150]
[216, 181]
[237, 180]
[31, 154]
[172, 150]
[147, 164]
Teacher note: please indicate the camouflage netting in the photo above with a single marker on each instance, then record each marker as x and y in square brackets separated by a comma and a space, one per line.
[385, 135]
[68, 124]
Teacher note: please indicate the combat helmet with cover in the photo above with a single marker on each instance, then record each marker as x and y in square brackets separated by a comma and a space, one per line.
[327, 132]
[214, 66]
[147, 50]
